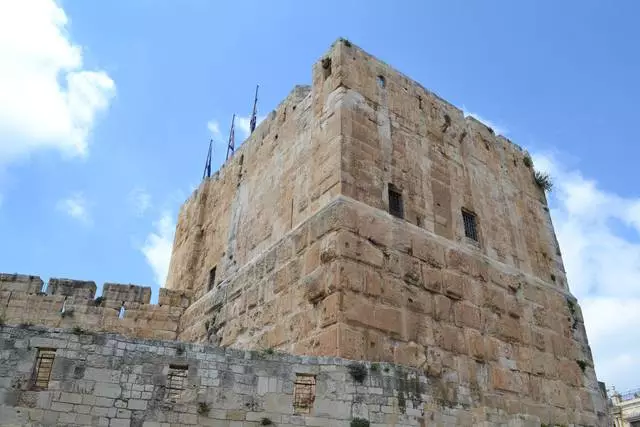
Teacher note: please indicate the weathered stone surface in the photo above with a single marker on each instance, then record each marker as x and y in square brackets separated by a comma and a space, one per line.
[290, 246]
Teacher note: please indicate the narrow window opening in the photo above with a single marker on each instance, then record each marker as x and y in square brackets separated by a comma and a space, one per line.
[420, 102]
[395, 202]
[212, 278]
[419, 221]
[470, 225]
[326, 67]
[121, 312]
[176, 381]
[43, 367]
[304, 393]
[381, 82]
[64, 306]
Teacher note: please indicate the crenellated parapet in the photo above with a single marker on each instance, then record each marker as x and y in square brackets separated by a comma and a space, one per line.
[67, 303]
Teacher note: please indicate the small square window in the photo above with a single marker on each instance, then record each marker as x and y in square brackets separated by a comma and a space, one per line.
[395, 202]
[304, 393]
[43, 367]
[176, 382]
[212, 278]
[470, 225]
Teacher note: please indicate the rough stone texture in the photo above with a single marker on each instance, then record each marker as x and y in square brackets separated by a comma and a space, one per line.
[308, 261]
[110, 380]
[23, 302]
[335, 274]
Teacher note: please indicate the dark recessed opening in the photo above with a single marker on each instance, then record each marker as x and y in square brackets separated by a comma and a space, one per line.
[395, 202]
[326, 67]
[381, 82]
[212, 278]
[470, 225]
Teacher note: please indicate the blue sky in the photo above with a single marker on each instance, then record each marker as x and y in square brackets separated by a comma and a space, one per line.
[106, 109]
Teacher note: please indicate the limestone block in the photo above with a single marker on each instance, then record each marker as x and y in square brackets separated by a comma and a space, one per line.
[76, 288]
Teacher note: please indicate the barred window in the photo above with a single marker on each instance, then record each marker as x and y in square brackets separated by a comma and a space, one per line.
[470, 225]
[176, 381]
[42, 368]
[395, 202]
[304, 393]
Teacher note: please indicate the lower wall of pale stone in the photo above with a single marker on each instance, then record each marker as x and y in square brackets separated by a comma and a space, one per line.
[109, 380]
[354, 282]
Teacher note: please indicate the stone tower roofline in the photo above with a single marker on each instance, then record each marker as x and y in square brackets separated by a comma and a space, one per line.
[472, 121]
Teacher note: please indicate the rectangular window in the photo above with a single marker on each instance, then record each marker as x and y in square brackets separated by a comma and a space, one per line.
[212, 278]
[304, 393]
[395, 202]
[42, 369]
[470, 225]
[176, 382]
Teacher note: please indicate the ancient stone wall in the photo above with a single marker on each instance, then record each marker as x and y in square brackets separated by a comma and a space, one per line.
[72, 304]
[110, 380]
[491, 317]
[285, 171]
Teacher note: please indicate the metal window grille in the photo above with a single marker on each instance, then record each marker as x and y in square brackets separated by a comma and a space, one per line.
[395, 203]
[470, 226]
[212, 278]
[176, 381]
[304, 393]
[42, 369]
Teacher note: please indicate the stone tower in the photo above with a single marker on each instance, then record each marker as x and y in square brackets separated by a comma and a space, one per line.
[367, 218]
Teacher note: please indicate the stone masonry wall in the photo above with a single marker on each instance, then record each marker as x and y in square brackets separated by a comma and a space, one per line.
[493, 319]
[356, 283]
[110, 380]
[72, 303]
[285, 171]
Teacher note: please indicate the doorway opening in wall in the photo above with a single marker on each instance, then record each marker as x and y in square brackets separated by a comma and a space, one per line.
[42, 368]
[212, 278]
[121, 312]
[395, 202]
[176, 382]
[304, 393]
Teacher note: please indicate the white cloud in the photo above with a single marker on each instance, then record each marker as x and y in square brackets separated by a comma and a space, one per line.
[599, 231]
[76, 207]
[214, 128]
[139, 201]
[499, 130]
[243, 124]
[157, 247]
[48, 100]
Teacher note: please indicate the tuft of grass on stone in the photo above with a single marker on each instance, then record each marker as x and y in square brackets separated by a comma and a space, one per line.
[375, 367]
[98, 301]
[358, 372]
[266, 422]
[77, 330]
[203, 408]
[582, 364]
[527, 160]
[543, 180]
[360, 422]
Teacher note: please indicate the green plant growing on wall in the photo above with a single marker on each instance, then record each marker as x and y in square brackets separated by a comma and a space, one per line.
[358, 372]
[375, 367]
[266, 422]
[77, 330]
[98, 301]
[359, 422]
[203, 408]
[543, 180]
[527, 160]
[582, 364]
